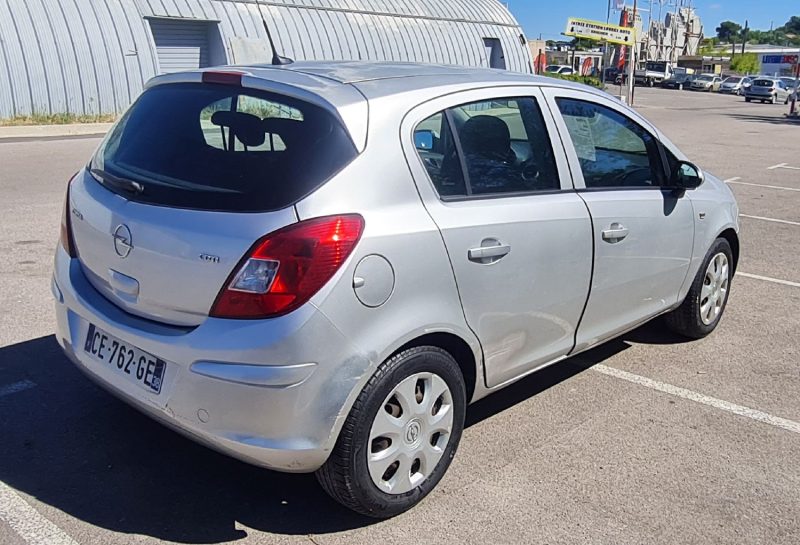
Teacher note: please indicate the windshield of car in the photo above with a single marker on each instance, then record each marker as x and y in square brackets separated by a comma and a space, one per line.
[705, 77]
[221, 147]
[732, 79]
[552, 68]
[656, 66]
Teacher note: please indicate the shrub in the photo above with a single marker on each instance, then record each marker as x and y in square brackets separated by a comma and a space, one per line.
[587, 80]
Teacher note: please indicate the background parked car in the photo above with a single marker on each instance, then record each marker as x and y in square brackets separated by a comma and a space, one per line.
[706, 82]
[790, 82]
[679, 81]
[767, 90]
[559, 69]
[735, 85]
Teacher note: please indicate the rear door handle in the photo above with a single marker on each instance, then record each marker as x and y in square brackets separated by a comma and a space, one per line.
[615, 233]
[488, 254]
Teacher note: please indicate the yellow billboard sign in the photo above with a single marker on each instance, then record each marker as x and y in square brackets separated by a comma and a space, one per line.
[599, 31]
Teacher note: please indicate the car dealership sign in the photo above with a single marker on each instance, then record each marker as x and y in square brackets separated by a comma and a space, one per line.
[599, 31]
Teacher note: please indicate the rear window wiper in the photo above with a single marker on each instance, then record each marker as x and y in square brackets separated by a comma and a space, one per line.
[120, 183]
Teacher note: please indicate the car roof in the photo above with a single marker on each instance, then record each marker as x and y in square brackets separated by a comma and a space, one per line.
[345, 87]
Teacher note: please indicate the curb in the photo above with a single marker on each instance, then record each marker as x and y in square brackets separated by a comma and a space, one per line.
[53, 131]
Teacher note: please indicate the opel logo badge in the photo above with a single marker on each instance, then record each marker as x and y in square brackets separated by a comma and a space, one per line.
[123, 243]
[413, 432]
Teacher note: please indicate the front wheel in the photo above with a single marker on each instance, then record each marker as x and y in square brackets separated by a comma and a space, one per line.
[701, 311]
[400, 436]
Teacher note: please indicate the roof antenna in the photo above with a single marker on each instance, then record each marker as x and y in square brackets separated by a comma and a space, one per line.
[277, 60]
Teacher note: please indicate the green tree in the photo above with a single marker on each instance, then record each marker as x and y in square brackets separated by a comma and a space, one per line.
[745, 64]
[728, 30]
[792, 25]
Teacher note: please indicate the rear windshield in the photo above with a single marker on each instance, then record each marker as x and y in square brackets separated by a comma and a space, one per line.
[763, 83]
[220, 147]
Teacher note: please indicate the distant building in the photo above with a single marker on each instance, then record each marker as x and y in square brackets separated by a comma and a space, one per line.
[94, 56]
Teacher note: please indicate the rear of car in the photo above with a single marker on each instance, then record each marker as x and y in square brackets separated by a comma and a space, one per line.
[763, 89]
[184, 275]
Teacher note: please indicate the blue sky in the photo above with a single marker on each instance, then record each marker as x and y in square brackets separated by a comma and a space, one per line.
[549, 17]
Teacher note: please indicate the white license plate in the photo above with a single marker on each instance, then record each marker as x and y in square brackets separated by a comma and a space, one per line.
[140, 367]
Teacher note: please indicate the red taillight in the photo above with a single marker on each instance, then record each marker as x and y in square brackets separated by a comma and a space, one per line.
[66, 225]
[286, 268]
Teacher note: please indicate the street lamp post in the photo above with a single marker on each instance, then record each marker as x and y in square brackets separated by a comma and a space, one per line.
[632, 58]
[793, 107]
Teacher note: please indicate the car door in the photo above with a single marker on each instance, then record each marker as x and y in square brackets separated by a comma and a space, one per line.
[643, 232]
[518, 236]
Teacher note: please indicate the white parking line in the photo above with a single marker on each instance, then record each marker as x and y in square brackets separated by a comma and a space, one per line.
[747, 412]
[768, 279]
[769, 219]
[15, 387]
[729, 180]
[767, 186]
[27, 522]
[783, 165]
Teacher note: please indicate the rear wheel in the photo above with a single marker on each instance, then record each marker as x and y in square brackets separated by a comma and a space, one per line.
[400, 436]
[747, 99]
[702, 309]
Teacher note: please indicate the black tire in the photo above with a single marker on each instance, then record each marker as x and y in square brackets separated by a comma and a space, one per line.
[685, 320]
[345, 476]
[747, 99]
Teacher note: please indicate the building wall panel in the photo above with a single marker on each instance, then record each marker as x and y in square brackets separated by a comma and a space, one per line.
[94, 56]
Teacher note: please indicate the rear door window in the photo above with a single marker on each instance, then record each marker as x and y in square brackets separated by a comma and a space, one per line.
[491, 147]
[219, 147]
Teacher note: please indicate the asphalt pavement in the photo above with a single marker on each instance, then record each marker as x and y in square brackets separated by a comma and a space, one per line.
[647, 439]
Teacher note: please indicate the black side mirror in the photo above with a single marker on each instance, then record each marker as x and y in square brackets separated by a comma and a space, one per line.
[686, 176]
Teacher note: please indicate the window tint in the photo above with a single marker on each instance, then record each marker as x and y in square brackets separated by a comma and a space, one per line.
[488, 148]
[613, 150]
[218, 147]
[436, 146]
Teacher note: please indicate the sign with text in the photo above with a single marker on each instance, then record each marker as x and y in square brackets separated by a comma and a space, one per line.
[599, 31]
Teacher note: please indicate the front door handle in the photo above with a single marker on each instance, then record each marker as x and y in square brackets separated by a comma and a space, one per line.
[615, 233]
[490, 253]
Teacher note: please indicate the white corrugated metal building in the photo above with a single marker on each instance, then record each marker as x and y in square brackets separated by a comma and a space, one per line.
[93, 56]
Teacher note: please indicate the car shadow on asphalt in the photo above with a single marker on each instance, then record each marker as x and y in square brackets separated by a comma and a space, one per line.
[774, 119]
[72, 446]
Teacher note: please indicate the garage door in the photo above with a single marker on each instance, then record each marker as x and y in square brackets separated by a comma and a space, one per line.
[181, 45]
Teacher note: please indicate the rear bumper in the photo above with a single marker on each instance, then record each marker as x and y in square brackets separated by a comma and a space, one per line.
[272, 393]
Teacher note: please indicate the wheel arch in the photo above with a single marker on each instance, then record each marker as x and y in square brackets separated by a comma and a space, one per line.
[456, 347]
[733, 239]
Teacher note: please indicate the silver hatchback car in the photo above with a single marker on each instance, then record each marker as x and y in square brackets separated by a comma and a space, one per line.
[769, 90]
[316, 267]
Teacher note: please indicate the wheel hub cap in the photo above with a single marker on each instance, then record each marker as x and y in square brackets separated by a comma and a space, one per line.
[715, 288]
[409, 433]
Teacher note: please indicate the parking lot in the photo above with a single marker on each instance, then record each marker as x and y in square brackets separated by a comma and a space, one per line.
[647, 439]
